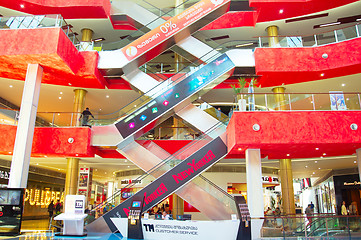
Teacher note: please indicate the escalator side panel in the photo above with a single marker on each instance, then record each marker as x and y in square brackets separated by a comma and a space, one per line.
[173, 179]
[171, 97]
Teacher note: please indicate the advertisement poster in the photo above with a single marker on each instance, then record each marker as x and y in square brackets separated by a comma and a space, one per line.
[337, 100]
[85, 182]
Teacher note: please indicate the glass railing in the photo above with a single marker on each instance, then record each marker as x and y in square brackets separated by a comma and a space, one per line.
[171, 161]
[140, 32]
[38, 21]
[316, 226]
[300, 101]
[335, 36]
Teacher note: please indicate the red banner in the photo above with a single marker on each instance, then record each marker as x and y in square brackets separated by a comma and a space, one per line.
[171, 27]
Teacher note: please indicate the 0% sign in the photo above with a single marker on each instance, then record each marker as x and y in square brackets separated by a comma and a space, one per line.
[168, 27]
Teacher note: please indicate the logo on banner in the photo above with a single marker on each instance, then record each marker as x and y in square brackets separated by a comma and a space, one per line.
[149, 227]
[131, 51]
[217, 2]
[79, 203]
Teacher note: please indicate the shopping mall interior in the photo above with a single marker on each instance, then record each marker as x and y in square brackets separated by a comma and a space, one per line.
[195, 107]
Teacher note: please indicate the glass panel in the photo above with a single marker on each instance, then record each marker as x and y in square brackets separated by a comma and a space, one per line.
[309, 41]
[301, 101]
[346, 33]
[358, 30]
[325, 38]
[260, 102]
[278, 102]
[322, 101]
[352, 101]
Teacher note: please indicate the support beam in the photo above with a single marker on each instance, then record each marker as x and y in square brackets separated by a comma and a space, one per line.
[25, 131]
[255, 190]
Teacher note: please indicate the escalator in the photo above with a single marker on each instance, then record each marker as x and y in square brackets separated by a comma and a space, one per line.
[160, 101]
[178, 173]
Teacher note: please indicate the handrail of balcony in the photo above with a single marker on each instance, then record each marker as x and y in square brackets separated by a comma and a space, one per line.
[332, 101]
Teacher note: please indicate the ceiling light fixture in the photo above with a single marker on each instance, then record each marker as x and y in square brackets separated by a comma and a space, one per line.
[69, 84]
[59, 97]
[107, 96]
[98, 39]
[288, 154]
[244, 45]
[306, 166]
[354, 161]
[324, 154]
[343, 84]
[315, 161]
[61, 93]
[359, 19]
[22, 5]
[239, 149]
[11, 86]
[319, 168]
[322, 74]
[281, 11]
[317, 148]
[329, 24]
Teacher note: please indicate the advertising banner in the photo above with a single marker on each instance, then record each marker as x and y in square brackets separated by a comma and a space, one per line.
[337, 100]
[173, 179]
[170, 28]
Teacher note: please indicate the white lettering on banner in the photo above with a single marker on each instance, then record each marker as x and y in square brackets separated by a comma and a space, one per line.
[155, 36]
[269, 179]
[4, 174]
[180, 230]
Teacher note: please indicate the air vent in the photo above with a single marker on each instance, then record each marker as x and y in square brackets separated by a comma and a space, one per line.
[217, 38]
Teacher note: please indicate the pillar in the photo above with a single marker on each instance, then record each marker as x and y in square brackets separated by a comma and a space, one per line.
[72, 176]
[86, 43]
[87, 35]
[178, 205]
[288, 198]
[25, 131]
[78, 106]
[272, 32]
[255, 199]
[72, 170]
[358, 154]
[280, 98]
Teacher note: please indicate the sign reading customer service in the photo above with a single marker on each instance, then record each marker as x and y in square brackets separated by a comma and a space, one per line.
[171, 27]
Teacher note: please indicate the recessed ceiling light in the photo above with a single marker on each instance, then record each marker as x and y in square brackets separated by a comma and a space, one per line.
[324, 154]
[69, 84]
[330, 24]
[37, 163]
[100, 109]
[321, 157]
[58, 114]
[22, 5]
[281, 11]
[317, 148]
[98, 39]
[10, 152]
[11, 86]
[76, 154]
[107, 96]
[343, 84]
[322, 74]
[105, 172]
[315, 161]
[61, 92]
[59, 97]
[135, 105]
[125, 160]
[313, 173]
[354, 161]
[128, 166]
[239, 149]
[306, 166]
[347, 99]
[288, 154]
[319, 168]
[45, 156]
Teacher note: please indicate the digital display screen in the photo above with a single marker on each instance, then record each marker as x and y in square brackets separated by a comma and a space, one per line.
[136, 204]
[10, 197]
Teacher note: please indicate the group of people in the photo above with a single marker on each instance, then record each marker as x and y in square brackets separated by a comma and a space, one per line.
[161, 210]
[57, 207]
[351, 210]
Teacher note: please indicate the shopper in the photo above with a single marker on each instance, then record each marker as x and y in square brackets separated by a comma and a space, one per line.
[309, 213]
[84, 117]
[51, 208]
[343, 208]
[58, 207]
[353, 208]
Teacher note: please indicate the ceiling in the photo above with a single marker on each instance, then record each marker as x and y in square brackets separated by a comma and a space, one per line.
[104, 101]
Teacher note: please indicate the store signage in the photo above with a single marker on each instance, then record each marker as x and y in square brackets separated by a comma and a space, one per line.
[351, 183]
[170, 28]
[130, 181]
[270, 179]
[40, 197]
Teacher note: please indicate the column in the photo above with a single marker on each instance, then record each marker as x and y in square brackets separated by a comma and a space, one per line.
[72, 176]
[280, 98]
[72, 171]
[358, 154]
[178, 205]
[86, 39]
[288, 198]
[272, 32]
[255, 199]
[25, 131]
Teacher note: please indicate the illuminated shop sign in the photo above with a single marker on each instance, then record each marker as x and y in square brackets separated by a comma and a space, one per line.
[351, 183]
[4, 174]
[129, 181]
[270, 179]
[39, 197]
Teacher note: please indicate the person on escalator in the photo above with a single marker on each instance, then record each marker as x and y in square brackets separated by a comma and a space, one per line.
[309, 213]
[84, 117]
